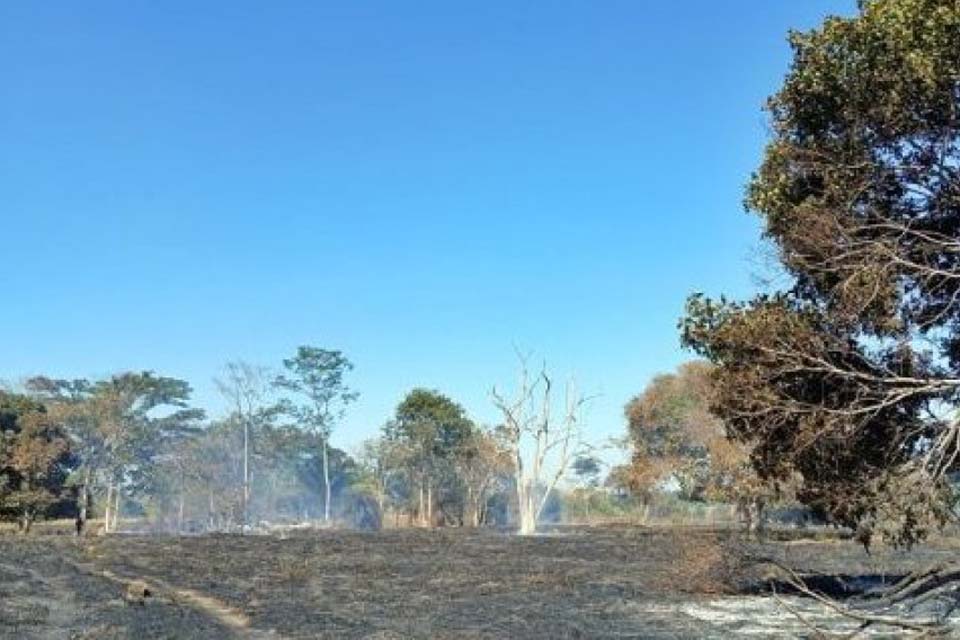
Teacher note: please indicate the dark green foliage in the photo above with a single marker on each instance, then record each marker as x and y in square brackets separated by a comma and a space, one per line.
[316, 377]
[587, 470]
[430, 422]
[35, 460]
[431, 430]
[850, 378]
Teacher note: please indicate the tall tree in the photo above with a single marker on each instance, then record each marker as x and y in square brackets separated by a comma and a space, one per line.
[319, 397]
[851, 377]
[137, 416]
[246, 387]
[529, 422]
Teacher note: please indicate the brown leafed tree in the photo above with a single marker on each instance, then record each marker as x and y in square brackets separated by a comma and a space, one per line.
[675, 435]
[34, 460]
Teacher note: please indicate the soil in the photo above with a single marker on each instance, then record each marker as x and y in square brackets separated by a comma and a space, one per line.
[612, 582]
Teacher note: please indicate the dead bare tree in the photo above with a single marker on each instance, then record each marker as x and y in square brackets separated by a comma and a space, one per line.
[528, 423]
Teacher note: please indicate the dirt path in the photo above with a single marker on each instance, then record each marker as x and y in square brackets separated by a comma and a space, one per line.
[46, 594]
[160, 590]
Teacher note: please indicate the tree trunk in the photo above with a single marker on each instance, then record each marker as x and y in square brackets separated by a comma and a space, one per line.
[420, 512]
[528, 509]
[526, 514]
[211, 521]
[116, 508]
[85, 496]
[246, 475]
[429, 503]
[326, 483]
[473, 508]
[109, 507]
[180, 516]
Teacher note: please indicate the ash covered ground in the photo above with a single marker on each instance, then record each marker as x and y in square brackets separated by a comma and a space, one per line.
[614, 582]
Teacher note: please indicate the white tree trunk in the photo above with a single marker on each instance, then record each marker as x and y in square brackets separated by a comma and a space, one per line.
[246, 474]
[85, 496]
[211, 513]
[473, 508]
[109, 508]
[420, 509]
[180, 516]
[429, 503]
[326, 483]
[526, 509]
[116, 508]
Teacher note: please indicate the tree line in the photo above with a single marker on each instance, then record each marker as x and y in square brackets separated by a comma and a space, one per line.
[133, 443]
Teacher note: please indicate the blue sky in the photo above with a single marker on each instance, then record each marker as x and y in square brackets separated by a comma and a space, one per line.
[422, 185]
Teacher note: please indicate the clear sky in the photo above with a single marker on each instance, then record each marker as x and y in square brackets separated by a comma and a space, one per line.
[420, 184]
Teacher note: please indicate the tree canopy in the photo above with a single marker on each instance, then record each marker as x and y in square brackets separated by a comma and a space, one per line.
[850, 377]
[35, 459]
[674, 435]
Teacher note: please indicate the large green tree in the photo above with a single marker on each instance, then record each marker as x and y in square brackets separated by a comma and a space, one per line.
[431, 428]
[850, 378]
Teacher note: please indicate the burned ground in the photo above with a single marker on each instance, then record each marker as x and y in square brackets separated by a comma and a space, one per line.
[579, 583]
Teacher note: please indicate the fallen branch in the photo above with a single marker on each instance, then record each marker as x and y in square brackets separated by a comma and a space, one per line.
[923, 627]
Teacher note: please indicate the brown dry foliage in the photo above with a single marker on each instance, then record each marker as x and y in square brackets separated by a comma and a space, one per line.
[673, 432]
[707, 565]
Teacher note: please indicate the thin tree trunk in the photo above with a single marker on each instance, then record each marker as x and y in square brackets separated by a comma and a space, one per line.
[429, 503]
[326, 483]
[420, 512]
[116, 508]
[180, 515]
[109, 508]
[246, 474]
[85, 496]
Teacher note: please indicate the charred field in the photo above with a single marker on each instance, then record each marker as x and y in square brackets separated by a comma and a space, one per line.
[611, 582]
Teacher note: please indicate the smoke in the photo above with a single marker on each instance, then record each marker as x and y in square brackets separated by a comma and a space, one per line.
[199, 487]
